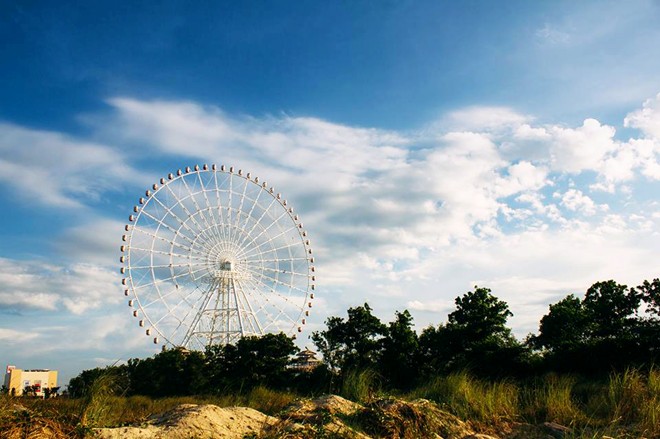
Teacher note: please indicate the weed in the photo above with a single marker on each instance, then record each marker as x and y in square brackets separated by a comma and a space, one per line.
[360, 385]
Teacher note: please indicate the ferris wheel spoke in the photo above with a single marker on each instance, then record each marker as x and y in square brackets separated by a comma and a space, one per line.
[169, 308]
[160, 252]
[264, 280]
[192, 196]
[178, 201]
[172, 243]
[213, 226]
[257, 223]
[174, 216]
[145, 267]
[287, 272]
[269, 304]
[160, 281]
[274, 250]
[218, 191]
[238, 212]
[284, 297]
[174, 292]
[255, 202]
[182, 320]
[164, 224]
[263, 231]
[251, 261]
[269, 241]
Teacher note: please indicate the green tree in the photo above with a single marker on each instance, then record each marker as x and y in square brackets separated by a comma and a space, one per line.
[650, 294]
[599, 333]
[480, 317]
[355, 343]
[566, 326]
[476, 338]
[437, 349]
[173, 372]
[399, 364]
[612, 308]
[252, 361]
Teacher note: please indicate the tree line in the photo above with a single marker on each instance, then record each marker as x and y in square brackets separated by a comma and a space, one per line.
[611, 327]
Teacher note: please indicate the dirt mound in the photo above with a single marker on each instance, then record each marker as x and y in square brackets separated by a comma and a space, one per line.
[398, 419]
[306, 409]
[320, 417]
[195, 421]
[328, 416]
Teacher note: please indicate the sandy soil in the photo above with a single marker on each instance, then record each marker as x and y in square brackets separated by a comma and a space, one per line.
[195, 421]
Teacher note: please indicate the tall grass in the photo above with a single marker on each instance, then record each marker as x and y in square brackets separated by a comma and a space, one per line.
[550, 399]
[626, 393]
[96, 405]
[360, 385]
[471, 398]
[650, 415]
[627, 402]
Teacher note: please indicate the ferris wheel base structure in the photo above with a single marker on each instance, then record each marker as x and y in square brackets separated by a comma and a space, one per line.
[211, 255]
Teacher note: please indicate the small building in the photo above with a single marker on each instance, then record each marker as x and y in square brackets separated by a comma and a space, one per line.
[36, 381]
[305, 361]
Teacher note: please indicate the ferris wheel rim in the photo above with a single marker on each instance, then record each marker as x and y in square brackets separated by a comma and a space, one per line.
[206, 231]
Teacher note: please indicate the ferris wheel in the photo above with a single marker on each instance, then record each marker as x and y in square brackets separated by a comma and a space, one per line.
[211, 255]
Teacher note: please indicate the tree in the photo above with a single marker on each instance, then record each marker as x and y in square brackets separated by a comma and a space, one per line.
[480, 317]
[400, 349]
[252, 361]
[566, 326]
[173, 372]
[475, 337]
[650, 294]
[611, 307]
[437, 350]
[599, 333]
[354, 343]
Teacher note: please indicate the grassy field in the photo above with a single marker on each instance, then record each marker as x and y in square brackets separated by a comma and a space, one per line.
[625, 405]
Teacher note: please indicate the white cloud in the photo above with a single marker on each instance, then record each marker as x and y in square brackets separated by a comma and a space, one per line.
[11, 336]
[646, 119]
[583, 148]
[481, 119]
[39, 285]
[576, 201]
[445, 306]
[58, 170]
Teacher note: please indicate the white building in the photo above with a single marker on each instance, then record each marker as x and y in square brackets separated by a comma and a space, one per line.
[19, 382]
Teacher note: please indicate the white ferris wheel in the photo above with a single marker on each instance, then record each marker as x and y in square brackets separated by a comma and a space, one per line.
[211, 255]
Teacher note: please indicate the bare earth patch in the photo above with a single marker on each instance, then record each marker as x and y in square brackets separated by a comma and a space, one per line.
[195, 421]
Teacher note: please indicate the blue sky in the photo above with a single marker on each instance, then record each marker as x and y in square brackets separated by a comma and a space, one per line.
[428, 147]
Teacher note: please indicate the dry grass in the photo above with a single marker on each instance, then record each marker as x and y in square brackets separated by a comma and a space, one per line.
[625, 405]
[551, 400]
[33, 421]
[473, 399]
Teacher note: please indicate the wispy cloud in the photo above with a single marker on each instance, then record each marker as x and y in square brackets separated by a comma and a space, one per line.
[59, 170]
